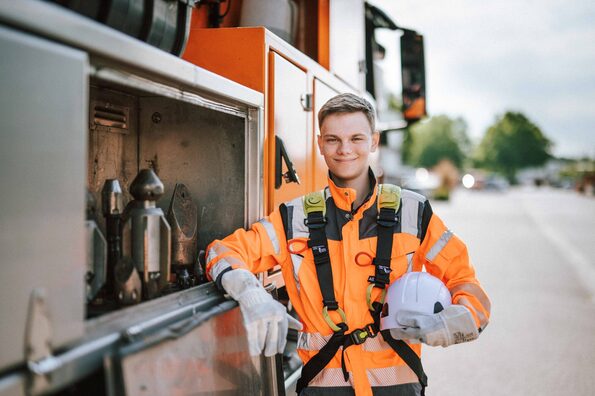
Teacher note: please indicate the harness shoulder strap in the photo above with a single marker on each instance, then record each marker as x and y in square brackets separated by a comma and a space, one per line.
[389, 200]
[315, 211]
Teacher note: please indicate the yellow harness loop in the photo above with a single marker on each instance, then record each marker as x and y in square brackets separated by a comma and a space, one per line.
[329, 321]
[369, 296]
[389, 196]
[314, 202]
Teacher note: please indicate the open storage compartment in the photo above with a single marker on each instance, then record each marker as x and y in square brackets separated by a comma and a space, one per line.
[207, 146]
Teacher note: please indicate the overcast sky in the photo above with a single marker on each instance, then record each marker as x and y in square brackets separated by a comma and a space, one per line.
[483, 58]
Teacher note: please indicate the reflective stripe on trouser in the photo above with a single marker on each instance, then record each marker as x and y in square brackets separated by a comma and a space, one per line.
[377, 376]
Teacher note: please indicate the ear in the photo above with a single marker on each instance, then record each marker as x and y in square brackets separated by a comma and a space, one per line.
[319, 141]
[375, 140]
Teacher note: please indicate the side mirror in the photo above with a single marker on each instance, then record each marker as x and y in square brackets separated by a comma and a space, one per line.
[413, 74]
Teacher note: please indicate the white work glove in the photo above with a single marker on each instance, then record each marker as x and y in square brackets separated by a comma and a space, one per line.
[453, 325]
[265, 319]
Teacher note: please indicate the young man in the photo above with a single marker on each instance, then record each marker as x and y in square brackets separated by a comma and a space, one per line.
[339, 250]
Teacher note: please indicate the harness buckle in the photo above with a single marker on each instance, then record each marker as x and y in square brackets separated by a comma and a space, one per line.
[359, 336]
[386, 217]
[372, 332]
[315, 223]
[330, 305]
[381, 277]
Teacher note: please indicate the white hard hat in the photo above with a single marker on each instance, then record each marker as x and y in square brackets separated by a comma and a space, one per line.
[417, 292]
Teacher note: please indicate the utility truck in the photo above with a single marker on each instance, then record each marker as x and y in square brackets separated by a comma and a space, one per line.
[133, 134]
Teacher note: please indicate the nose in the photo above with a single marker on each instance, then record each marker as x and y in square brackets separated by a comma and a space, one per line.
[345, 147]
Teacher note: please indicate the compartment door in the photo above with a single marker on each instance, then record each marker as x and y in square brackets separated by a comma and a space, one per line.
[43, 109]
[289, 121]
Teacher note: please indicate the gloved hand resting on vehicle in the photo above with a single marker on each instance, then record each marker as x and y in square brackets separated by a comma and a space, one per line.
[265, 319]
[453, 325]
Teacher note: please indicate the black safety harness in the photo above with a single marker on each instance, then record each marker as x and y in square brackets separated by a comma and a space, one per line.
[389, 198]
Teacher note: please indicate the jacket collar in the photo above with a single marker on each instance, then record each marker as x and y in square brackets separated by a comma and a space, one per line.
[344, 197]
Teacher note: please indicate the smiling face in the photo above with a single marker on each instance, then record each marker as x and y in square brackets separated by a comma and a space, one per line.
[346, 141]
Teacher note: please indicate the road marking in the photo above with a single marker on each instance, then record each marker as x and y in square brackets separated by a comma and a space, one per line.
[582, 266]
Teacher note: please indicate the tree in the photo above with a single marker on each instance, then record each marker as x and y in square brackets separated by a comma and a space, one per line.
[436, 139]
[513, 142]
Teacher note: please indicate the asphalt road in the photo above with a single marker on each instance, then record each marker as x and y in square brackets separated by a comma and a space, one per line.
[534, 252]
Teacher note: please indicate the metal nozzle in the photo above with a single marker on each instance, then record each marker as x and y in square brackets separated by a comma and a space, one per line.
[146, 186]
[128, 282]
[111, 197]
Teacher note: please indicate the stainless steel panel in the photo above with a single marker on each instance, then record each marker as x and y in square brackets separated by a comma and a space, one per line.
[205, 150]
[211, 359]
[105, 334]
[54, 22]
[254, 166]
[43, 107]
[12, 385]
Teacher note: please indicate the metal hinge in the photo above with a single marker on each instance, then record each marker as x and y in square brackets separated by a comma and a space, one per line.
[38, 337]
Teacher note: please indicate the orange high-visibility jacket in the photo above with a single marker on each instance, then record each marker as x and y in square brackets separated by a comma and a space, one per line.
[420, 239]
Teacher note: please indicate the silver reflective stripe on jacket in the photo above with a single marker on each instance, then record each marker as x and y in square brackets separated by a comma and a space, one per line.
[296, 261]
[216, 250]
[411, 212]
[439, 245]
[270, 229]
[296, 220]
[219, 267]
[331, 377]
[315, 342]
[223, 263]
[390, 376]
[312, 341]
[476, 292]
